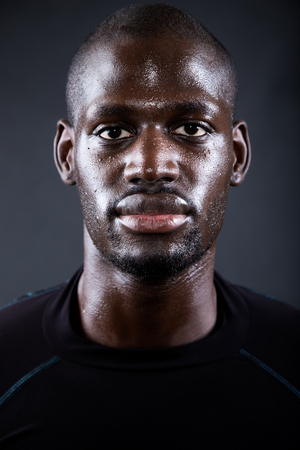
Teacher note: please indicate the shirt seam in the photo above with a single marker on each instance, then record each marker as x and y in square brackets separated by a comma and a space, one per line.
[30, 295]
[283, 381]
[254, 291]
[30, 375]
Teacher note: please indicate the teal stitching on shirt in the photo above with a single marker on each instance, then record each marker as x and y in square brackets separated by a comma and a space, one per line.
[30, 295]
[15, 387]
[259, 293]
[272, 372]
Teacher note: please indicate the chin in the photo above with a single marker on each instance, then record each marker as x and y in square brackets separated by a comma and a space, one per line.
[157, 262]
[155, 267]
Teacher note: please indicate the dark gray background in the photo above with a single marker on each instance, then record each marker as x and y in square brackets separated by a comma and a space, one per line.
[41, 225]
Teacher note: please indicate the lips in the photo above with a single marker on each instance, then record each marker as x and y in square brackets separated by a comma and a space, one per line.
[157, 213]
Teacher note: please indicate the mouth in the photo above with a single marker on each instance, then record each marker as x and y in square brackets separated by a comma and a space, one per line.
[156, 213]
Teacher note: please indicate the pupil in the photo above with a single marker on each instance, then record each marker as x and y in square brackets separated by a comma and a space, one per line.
[114, 132]
[191, 128]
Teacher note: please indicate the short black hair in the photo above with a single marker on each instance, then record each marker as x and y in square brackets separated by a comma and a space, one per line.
[144, 22]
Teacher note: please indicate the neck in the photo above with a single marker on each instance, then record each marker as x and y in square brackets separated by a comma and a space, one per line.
[118, 309]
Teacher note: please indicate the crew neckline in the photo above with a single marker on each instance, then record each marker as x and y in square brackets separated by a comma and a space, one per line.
[227, 338]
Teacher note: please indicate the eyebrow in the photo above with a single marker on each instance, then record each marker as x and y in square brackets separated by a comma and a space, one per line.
[111, 110]
[205, 108]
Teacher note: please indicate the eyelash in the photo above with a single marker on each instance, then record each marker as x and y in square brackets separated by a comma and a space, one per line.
[191, 124]
[124, 128]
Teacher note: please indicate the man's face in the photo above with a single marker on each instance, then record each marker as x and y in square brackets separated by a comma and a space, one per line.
[153, 154]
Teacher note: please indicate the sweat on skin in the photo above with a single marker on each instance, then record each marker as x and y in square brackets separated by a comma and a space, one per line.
[153, 151]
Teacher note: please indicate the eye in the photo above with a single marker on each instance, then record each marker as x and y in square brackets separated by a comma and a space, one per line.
[190, 129]
[115, 133]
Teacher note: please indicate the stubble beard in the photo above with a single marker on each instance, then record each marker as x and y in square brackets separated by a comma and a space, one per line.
[161, 261]
[156, 259]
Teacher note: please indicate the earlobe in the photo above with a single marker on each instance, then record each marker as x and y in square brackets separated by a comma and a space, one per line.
[64, 151]
[242, 152]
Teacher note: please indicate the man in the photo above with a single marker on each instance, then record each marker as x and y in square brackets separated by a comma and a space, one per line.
[145, 347]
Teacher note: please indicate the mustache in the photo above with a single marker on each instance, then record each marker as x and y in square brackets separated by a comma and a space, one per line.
[150, 190]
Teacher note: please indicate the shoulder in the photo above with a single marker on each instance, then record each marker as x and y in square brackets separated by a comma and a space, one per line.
[271, 316]
[272, 341]
[14, 315]
[266, 313]
[23, 346]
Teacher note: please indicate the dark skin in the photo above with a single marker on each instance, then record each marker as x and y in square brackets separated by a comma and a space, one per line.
[153, 152]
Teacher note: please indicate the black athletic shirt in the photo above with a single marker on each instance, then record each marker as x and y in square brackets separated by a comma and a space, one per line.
[238, 388]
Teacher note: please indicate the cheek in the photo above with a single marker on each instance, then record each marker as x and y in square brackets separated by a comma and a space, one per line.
[99, 183]
[217, 179]
[95, 173]
[210, 173]
[88, 180]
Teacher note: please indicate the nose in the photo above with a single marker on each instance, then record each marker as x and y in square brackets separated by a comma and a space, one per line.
[152, 157]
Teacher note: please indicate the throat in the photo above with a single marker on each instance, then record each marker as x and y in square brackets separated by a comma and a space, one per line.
[121, 310]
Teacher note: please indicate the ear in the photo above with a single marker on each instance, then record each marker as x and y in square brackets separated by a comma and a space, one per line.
[64, 151]
[242, 152]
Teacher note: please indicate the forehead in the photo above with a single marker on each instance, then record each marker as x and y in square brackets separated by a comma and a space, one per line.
[153, 73]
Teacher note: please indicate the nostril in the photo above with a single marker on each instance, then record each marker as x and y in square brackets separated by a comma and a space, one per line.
[141, 180]
[168, 179]
[150, 167]
[135, 180]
